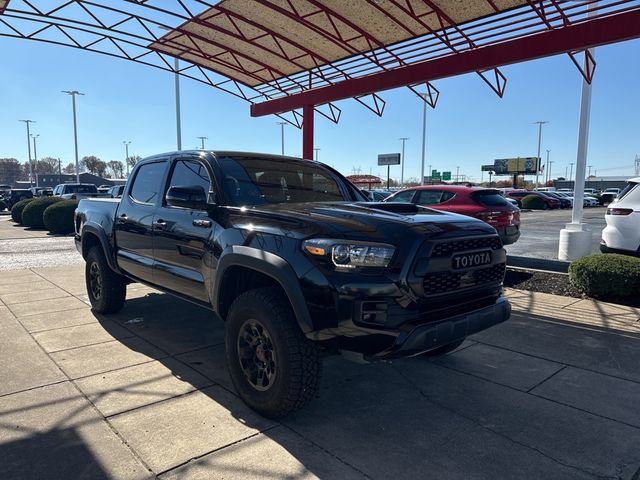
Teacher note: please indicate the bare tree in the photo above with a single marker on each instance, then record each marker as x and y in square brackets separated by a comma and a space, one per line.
[116, 168]
[69, 169]
[10, 170]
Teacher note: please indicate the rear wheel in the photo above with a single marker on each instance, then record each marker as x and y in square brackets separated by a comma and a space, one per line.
[106, 289]
[443, 350]
[272, 365]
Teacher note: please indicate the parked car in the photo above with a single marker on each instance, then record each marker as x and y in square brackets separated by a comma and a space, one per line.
[591, 192]
[295, 261]
[376, 195]
[41, 191]
[17, 194]
[609, 195]
[483, 203]
[549, 202]
[116, 191]
[565, 202]
[76, 191]
[622, 233]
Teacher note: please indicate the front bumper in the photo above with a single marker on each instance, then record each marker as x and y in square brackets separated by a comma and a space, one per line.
[509, 234]
[431, 336]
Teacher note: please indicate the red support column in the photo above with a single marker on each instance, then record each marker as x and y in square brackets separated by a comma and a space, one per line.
[307, 132]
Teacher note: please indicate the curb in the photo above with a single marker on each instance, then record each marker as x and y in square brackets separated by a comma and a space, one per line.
[558, 266]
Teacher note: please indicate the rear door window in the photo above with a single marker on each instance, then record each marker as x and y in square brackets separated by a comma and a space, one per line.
[148, 183]
[429, 197]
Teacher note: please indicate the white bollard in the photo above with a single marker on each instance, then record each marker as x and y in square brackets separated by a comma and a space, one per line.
[575, 241]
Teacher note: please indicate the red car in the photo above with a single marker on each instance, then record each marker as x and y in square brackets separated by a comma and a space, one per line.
[483, 203]
[549, 202]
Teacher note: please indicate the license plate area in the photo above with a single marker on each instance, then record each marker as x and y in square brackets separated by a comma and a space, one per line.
[465, 261]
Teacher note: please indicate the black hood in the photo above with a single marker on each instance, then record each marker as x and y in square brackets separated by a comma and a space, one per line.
[388, 222]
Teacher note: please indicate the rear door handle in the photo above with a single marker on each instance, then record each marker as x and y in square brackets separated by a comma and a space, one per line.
[160, 224]
[202, 223]
[123, 216]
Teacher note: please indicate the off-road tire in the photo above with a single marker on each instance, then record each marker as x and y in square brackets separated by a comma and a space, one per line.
[443, 350]
[113, 287]
[297, 364]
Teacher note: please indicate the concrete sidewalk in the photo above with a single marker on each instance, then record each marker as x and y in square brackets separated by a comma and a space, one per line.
[553, 393]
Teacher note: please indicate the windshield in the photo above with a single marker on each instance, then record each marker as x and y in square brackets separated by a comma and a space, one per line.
[81, 189]
[259, 181]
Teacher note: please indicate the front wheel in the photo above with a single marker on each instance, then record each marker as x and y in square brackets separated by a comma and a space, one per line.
[272, 365]
[106, 289]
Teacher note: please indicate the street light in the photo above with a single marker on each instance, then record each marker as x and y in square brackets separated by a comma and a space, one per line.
[316, 150]
[202, 139]
[73, 94]
[282, 124]
[126, 154]
[546, 171]
[35, 155]
[457, 174]
[29, 150]
[540, 123]
[571, 174]
[403, 140]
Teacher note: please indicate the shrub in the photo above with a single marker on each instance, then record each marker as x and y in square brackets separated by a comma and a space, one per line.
[18, 207]
[32, 213]
[58, 218]
[3, 206]
[606, 275]
[533, 202]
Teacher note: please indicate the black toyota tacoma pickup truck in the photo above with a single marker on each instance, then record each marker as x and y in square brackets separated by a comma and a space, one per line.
[295, 261]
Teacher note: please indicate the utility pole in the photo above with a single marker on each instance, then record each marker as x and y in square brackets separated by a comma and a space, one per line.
[403, 140]
[282, 124]
[73, 94]
[29, 150]
[540, 123]
[424, 136]
[316, 150]
[202, 139]
[126, 155]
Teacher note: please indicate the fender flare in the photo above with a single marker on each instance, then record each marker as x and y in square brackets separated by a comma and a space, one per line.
[268, 264]
[104, 242]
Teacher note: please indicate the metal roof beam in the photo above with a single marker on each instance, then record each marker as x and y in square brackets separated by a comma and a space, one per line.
[577, 36]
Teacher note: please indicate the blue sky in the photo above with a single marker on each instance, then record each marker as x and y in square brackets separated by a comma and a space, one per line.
[471, 126]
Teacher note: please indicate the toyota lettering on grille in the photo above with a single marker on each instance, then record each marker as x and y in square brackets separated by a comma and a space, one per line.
[469, 260]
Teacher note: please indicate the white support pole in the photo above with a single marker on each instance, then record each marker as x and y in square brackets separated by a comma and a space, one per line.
[575, 238]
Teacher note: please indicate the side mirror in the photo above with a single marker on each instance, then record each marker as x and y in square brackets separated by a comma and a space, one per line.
[192, 196]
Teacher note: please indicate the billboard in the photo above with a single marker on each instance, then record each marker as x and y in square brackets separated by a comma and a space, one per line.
[522, 165]
[389, 159]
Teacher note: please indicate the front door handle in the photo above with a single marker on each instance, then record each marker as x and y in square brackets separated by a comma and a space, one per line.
[160, 224]
[202, 223]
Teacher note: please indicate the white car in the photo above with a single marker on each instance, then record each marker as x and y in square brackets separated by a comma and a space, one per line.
[622, 233]
[590, 201]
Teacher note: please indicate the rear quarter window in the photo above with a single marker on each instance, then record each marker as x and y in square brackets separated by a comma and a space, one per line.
[631, 192]
[490, 199]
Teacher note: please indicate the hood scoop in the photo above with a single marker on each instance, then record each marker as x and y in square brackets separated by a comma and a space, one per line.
[393, 207]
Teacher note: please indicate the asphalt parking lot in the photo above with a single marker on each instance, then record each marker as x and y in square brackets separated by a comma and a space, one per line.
[540, 231]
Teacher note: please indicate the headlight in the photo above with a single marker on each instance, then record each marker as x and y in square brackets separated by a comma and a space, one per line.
[350, 254]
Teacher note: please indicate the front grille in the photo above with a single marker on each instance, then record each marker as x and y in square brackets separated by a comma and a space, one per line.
[447, 248]
[446, 282]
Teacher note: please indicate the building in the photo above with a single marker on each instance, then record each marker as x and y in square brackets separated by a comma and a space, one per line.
[599, 183]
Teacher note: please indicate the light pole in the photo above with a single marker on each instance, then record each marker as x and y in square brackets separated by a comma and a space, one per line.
[546, 170]
[590, 167]
[457, 174]
[202, 139]
[550, 163]
[126, 154]
[571, 176]
[73, 94]
[540, 123]
[29, 150]
[35, 156]
[403, 140]
[316, 150]
[282, 124]
[424, 136]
